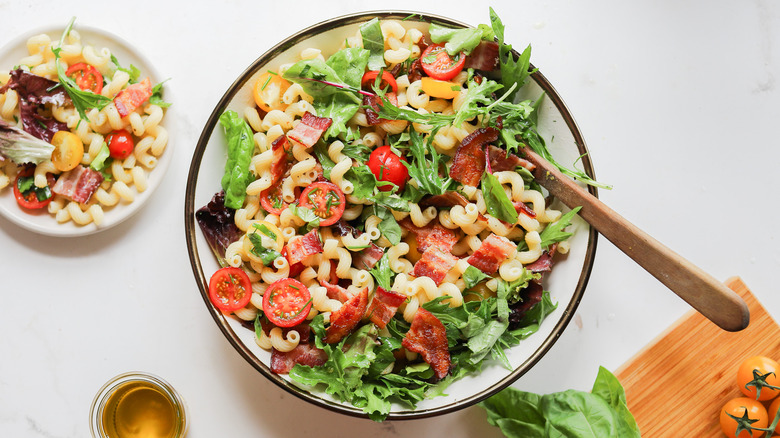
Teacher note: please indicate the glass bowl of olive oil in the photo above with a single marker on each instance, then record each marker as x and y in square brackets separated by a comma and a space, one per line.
[134, 405]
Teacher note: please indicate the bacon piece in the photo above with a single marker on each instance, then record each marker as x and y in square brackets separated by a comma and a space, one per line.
[469, 162]
[366, 258]
[433, 234]
[494, 250]
[428, 337]
[449, 199]
[484, 57]
[343, 320]
[501, 161]
[542, 264]
[522, 208]
[127, 100]
[434, 264]
[335, 292]
[281, 162]
[304, 354]
[309, 130]
[372, 104]
[416, 71]
[299, 249]
[78, 184]
[383, 306]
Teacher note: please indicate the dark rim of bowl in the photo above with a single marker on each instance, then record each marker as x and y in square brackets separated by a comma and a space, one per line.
[191, 226]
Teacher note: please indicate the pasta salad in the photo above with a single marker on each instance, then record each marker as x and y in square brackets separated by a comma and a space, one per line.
[79, 132]
[376, 226]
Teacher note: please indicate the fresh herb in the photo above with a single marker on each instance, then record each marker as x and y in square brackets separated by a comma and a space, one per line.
[157, 96]
[265, 230]
[82, 99]
[357, 151]
[382, 272]
[602, 412]
[554, 232]
[427, 171]
[306, 215]
[473, 276]
[374, 42]
[496, 200]
[241, 146]
[132, 71]
[457, 40]
[513, 71]
[266, 255]
[27, 184]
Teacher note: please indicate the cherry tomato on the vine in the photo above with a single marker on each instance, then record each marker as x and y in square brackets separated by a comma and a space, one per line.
[749, 413]
[438, 64]
[757, 378]
[387, 166]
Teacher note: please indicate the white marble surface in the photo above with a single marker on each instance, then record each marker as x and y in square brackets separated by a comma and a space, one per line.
[678, 102]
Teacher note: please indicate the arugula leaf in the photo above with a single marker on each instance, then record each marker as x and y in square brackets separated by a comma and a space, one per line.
[497, 202]
[374, 42]
[82, 99]
[424, 170]
[457, 40]
[554, 232]
[389, 226]
[362, 179]
[382, 273]
[157, 93]
[473, 276]
[132, 71]
[358, 152]
[512, 71]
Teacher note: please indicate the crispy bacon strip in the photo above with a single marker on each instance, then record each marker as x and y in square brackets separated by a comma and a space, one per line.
[281, 162]
[335, 292]
[435, 263]
[483, 57]
[367, 258]
[304, 354]
[78, 184]
[433, 234]
[299, 249]
[469, 162]
[501, 161]
[494, 250]
[309, 130]
[383, 306]
[127, 100]
[520, 207]
[343, 320]
[428, 337]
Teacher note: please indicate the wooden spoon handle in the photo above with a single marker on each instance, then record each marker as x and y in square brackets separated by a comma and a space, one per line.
[704, 293]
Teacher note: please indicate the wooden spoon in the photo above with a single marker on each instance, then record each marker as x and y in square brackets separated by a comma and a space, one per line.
[703, 292]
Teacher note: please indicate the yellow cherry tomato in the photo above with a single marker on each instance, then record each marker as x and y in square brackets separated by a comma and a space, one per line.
[268, 90]
[441, 89]
[413, 255]
[758, 378]
[745, 410]
[68, 150]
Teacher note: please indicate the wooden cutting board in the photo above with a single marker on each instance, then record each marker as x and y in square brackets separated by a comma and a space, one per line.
[677, 384]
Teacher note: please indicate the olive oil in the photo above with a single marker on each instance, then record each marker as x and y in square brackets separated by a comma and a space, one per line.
[138, 406]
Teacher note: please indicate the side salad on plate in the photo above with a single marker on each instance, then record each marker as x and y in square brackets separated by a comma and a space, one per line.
[375, 226]
[79, 130]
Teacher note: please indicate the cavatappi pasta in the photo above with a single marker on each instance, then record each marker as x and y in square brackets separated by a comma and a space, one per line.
[125, 173]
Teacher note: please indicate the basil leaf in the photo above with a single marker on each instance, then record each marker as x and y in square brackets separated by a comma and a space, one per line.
[362, 179]
[264, 229]
[473, 276]
[498, 204]
[321, 152]
[389, 226]
[305, 214]
[374, 42]
[266, 255]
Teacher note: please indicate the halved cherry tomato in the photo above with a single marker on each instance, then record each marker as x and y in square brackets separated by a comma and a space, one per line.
[748, 412]
[120, 144]
[230, 289]
[286, 302]
[268, 90]
[757, 378]
[387, 79]
[68, 150]
[271, 200]
[438, 64]
[326, 200]
[387, 166]
[441, 89]
[27, 194]
[86, 77]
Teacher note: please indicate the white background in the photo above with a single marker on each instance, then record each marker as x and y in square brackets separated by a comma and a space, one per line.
[678, 102]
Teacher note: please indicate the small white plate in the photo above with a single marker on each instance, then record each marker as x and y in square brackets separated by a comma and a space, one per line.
[42, 221]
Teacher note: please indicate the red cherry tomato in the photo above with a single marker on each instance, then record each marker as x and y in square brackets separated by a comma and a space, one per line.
[230, 289]
[295, 268]
[86, 77]
[438, 64]
[27, 194]
[387, 166]
[120, 144]
[387, 79]
[271, 200]
[326, 200]
[286, 302]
